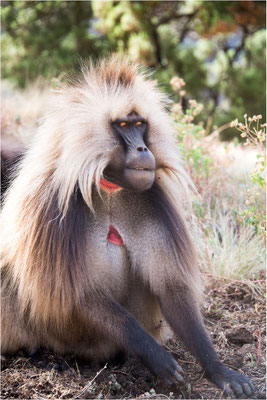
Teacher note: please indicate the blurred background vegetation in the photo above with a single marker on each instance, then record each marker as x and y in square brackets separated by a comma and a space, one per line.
[217, 47]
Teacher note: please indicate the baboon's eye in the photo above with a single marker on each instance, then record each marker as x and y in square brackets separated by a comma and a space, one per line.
[123, 123]
[139, 123]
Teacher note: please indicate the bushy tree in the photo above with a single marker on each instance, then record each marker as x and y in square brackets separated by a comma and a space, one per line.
[46, 37]
[218, 48]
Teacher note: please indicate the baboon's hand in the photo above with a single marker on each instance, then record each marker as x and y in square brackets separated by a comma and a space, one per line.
[163, 364]
[231, 382]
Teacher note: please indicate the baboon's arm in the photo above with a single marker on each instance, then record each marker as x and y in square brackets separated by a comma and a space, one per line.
[181, 310]
[183, 316]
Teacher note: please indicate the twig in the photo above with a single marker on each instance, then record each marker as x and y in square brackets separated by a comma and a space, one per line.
[259, 349]
[206, 247]
[233, 280]
[78, 371]
[89, 384]
[216, 132]
[171, 17]
[187, 362]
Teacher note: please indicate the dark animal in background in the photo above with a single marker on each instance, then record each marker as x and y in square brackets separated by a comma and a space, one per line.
[12, 150]
[95, 246]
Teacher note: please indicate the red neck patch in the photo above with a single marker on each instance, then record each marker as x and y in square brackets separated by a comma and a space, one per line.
[108, 186]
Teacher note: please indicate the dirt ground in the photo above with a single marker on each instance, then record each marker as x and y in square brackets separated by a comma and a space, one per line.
[235, 319]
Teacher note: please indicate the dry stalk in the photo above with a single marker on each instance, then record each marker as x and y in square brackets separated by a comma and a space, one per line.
[89, 384]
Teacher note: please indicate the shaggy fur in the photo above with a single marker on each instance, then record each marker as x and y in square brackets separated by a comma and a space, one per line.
[49, 218]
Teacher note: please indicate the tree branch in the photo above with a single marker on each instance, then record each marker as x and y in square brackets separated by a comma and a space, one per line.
[157, 44]
[169, 18]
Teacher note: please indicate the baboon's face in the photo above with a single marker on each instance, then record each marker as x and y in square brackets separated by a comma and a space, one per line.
[132, 164]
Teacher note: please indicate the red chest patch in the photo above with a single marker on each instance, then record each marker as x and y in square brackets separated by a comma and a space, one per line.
[114, 236]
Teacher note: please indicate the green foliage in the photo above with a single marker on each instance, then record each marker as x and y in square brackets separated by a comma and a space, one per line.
[217, 47]
[228, 218]
[247, 77]
[45, 38]
[202, 165]
[190, 135]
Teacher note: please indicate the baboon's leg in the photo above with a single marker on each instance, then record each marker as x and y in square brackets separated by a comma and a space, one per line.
[143, 305]
[122, 328]
[14, 334]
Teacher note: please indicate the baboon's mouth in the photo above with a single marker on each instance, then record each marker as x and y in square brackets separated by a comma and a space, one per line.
[139, 178]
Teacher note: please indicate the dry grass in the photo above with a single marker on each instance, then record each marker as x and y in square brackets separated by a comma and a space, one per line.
[230, 250]
[227, 245]
[23, 110]
[235, 319]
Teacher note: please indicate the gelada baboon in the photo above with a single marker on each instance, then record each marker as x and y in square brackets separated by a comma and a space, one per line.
[95, 247]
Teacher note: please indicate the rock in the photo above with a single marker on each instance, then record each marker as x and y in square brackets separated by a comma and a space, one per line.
[239, 336]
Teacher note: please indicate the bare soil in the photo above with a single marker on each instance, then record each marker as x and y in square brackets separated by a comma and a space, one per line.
[235, 319]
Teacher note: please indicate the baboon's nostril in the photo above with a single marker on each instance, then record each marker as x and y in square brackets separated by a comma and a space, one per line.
[141, 148]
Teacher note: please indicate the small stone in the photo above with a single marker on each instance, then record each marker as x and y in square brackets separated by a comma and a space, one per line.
[247, 348]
